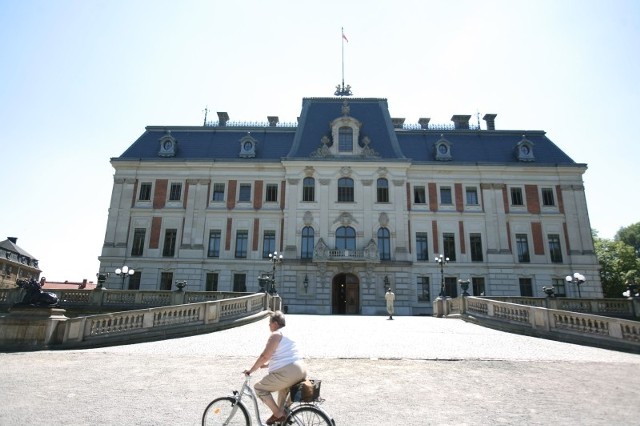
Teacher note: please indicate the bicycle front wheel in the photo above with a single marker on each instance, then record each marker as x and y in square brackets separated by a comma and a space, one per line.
[225, 411]
[308, 415]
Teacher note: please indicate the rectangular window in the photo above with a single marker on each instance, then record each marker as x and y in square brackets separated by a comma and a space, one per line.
[212, 281]
[477, 284]
[345, 190]
[516, 197]
[245, 192]
[166, 278]
[449, 246]
[547, 197]
[422, 246]
[559, 285]
[382, 191]
[218, 192]
[214, 243]
[523, 248]
[419, 195]
[134, 281]
[175, 193]
[308, 189]
[240, 282]
[472, 196]
[242, 240]
[451, 287]
[345, 139]
[145, 192]
[268, 243]
[445, 195]
[475, 243]
[554, 248]
[169, 248]
[138, 242]
[423, 291]
[271, 195]
[526, 288]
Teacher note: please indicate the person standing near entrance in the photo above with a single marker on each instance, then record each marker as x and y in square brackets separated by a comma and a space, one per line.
[390, 298]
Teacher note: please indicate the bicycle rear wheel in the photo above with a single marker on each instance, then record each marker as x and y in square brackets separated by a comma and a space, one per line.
[308, 415]
[225, 411]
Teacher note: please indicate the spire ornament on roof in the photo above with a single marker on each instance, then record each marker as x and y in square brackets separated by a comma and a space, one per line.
[342, 90]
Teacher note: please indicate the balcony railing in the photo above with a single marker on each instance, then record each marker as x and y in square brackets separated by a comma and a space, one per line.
[337, 255]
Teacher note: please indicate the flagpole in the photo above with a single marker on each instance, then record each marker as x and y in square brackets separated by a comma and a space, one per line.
[342, 90]
[342, 39]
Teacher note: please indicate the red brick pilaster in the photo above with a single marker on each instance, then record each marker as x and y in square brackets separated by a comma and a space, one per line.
[533, 201]
[160, 193]
[538, 242]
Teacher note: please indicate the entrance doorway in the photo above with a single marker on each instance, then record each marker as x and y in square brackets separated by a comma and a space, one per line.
[345, 295]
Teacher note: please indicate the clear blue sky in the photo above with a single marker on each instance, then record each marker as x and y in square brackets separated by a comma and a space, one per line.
[80, 80]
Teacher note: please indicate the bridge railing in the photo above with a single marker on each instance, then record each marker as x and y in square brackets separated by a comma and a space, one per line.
[112, 300]
[145, 324]
[624, 308]
[131, 318]
[578, 327]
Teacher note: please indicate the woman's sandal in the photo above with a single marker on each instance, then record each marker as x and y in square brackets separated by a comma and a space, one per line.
[273, 419]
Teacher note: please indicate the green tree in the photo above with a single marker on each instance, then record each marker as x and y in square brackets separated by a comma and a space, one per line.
[617, 259]
[630, 235]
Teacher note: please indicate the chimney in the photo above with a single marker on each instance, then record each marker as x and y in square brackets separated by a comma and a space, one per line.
[273, 120]
[223, 117]
[397, 123]
[424, 123]
[461, 121]
[491, 121]
[14, 240]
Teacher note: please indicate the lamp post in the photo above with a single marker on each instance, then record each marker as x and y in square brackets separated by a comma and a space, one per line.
[441, 260]
[124, 272]
[275, 259]
[577, 279]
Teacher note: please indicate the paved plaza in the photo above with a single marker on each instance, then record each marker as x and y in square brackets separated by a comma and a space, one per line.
[408, 371]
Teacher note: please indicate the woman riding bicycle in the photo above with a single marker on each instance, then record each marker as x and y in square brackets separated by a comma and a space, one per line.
[286, 368]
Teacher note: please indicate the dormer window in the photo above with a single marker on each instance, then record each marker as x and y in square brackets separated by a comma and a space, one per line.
[168, 145]
[345, 139]
[524, 150]
[443, 149]
[248, 146]
[345, 135]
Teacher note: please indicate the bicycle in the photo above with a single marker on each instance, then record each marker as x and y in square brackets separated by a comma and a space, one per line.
[232, 411]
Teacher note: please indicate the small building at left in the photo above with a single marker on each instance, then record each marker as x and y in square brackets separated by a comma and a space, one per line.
[15, 262]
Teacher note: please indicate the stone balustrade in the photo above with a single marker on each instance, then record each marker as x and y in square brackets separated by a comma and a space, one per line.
[112, 300]
[577, 327]
[28, 328]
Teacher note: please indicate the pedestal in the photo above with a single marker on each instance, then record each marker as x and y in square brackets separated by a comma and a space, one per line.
[31, 328]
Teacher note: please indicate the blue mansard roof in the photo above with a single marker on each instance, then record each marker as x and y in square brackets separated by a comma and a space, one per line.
[222, 141]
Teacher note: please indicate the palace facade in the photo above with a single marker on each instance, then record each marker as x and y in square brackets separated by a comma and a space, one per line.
[355, 201]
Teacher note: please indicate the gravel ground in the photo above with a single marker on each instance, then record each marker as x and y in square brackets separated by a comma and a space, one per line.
[409, 371]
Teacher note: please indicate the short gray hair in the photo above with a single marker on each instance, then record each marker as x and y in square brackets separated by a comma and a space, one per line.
[278, 317]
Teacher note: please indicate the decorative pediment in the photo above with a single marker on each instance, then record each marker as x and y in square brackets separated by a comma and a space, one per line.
[345, 219]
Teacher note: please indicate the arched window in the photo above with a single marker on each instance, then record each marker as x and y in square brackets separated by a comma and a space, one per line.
[307, 243]
[345, 139]
[309, 189]
[384, 244]
[345, 238]
[383, 190]
[345, 190]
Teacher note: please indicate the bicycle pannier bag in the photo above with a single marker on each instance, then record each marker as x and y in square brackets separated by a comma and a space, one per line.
[306, 391]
